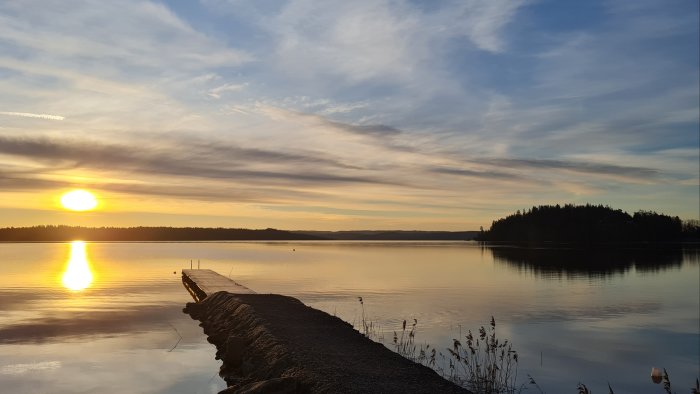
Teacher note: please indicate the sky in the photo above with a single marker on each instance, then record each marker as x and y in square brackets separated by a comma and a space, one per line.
[337, 115]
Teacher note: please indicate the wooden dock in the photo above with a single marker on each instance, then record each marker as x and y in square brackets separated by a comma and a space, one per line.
[201, 283]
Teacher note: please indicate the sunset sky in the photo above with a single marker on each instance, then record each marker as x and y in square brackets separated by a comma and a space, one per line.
[328, 115]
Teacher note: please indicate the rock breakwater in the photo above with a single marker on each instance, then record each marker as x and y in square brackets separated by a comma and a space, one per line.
[275, 344]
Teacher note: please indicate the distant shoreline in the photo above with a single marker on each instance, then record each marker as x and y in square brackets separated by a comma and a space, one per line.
[199, 234]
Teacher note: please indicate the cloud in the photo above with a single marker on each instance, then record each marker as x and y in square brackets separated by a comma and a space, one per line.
[22, 181]
[188, 157]
[30, 115]
[320, 106]
[354, 103]
[162, 38]
[167, 188]
[575, 166]
[379, 130]
[383, 42]
[358, 41]
[476, 174]
[175, 152]
[229, 87]
[484, 21]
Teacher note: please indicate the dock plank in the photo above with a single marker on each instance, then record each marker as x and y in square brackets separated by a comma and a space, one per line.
[205, 282]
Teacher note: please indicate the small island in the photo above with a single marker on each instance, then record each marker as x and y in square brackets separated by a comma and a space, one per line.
[589, 225]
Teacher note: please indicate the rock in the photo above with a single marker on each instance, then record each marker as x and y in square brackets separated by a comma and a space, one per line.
[275, 344]
[235, 348]
[286, 385]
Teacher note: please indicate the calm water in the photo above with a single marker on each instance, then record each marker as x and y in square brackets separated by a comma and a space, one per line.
[107, 317]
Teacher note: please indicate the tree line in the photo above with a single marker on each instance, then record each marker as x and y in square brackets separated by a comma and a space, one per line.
[589, 224]
[70, 233]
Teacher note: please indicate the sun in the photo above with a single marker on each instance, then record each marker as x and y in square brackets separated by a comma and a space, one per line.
[79, 200]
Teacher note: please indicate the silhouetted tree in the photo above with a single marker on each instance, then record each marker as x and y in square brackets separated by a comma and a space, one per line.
[691, 229]
[588, 224]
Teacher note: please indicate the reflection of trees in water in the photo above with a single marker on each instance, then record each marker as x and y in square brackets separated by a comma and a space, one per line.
[593, 262]
[692, 255]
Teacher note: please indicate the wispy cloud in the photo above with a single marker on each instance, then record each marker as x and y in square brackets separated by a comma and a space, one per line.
[575, 166]
[477, 174]
[31, 115]
[473, 106]
[229, 87]
[188, 157]
[371, 129]
[484, 22]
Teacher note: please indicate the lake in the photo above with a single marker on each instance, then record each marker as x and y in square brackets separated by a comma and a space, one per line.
[107, 317]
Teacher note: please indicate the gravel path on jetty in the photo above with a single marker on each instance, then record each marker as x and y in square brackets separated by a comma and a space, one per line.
[275, 344]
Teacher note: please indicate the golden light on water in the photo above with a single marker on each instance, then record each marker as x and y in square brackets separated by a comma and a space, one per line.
[79, 200]
[78, 275]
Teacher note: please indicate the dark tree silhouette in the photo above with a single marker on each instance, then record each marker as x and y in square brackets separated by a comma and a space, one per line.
[69, 233]
[586, 224]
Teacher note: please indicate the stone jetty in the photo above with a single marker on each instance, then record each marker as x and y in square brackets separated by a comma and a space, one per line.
[272, 343]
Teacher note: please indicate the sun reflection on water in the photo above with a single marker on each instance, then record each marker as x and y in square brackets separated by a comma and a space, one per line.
[78, 275]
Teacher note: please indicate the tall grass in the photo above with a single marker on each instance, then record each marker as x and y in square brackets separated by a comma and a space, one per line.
[405, 345]
[369, 328]
[482, 363]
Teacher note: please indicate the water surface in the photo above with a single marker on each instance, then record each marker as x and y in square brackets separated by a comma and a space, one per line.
[594, 317]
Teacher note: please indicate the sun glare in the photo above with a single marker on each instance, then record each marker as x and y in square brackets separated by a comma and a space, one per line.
[78, 275]
[79, 200]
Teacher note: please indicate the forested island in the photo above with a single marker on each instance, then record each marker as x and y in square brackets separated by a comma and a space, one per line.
[589, 224]
[136, 234]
